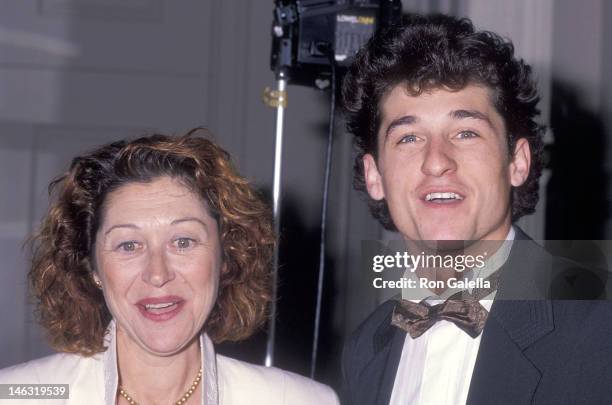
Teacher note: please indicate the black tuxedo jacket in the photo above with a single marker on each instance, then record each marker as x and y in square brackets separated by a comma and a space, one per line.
[552, 351]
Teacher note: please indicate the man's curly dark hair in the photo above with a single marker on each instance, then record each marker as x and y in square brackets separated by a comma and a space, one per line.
[428, 52]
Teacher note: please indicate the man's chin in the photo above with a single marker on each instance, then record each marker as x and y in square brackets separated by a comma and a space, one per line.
[437, 246]
[437, 236]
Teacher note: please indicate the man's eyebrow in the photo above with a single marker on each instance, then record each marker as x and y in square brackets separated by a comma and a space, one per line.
[131, 226]
[475, 114]
[404, 120]
[187, 219]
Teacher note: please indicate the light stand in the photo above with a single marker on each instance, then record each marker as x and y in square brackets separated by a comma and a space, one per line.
[278, 99]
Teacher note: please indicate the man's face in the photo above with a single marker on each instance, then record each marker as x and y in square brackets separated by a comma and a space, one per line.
[443, 164]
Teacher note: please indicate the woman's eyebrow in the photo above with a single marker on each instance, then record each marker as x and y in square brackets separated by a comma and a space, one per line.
[131, 226]
[188, 219]
[175, 222]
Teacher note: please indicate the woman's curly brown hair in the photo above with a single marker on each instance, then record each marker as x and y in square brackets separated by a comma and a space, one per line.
[70, 306]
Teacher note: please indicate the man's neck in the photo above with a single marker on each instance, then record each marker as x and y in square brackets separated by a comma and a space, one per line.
[495, 252]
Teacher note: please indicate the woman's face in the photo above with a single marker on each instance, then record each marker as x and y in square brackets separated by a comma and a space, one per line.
[158, 257]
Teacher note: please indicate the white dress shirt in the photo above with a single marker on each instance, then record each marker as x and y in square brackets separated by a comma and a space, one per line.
[436, 368]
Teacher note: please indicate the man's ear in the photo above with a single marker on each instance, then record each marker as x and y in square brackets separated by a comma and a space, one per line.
[373, 179]
[520, 163]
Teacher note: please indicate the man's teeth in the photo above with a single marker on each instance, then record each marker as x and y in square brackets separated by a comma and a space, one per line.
[159, 306]
[443, 196]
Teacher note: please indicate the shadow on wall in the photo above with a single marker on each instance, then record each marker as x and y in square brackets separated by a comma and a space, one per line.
[298, 275]
[576, 204]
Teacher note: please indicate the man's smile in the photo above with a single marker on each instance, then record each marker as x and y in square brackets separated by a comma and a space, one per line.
[443, 197]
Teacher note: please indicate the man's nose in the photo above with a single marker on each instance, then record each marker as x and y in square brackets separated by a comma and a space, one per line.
[158, 271]
[438, 159]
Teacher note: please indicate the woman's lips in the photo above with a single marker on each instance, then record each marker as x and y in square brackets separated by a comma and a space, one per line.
[160, 309]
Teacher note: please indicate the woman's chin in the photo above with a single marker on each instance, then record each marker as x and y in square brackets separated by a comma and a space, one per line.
[165, 345]
[161, 342]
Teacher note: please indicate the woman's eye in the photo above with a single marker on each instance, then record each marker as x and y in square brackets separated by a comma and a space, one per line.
[408, 139]
[467, 134]
[129, 246]
[184, 243]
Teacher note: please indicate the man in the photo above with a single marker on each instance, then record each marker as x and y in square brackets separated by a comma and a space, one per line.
[449, 149]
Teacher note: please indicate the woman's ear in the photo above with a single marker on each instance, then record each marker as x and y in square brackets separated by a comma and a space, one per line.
[96, 279]
[224, 268]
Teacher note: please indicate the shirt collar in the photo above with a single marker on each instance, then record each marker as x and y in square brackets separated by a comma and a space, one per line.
[492, 264]
[210, 390]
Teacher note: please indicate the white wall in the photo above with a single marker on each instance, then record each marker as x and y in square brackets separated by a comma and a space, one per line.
[77, 74]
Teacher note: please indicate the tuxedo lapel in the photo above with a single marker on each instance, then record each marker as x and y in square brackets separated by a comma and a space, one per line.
[378, 376]
[394, 353]
[504, 373]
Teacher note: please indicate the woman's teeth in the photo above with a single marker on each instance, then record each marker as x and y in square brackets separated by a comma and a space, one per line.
[159, 306]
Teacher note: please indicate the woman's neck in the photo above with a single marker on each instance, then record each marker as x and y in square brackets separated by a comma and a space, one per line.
[153, 379]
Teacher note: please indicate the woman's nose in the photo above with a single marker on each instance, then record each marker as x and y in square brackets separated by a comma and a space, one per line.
[158, 271]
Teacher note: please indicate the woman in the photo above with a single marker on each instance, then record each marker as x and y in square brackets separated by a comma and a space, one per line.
[151, 250]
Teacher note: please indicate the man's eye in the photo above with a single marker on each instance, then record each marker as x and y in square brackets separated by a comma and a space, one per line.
[184, 243]
[467, 134]
[129, 246]
[408, 139]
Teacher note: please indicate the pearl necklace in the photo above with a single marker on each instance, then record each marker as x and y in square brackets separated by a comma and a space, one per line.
[181, 401]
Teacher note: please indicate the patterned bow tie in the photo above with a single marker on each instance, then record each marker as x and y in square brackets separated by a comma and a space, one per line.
[416, 318]
[463, 309]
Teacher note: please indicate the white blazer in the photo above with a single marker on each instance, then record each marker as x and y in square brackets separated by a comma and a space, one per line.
[94, 380]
